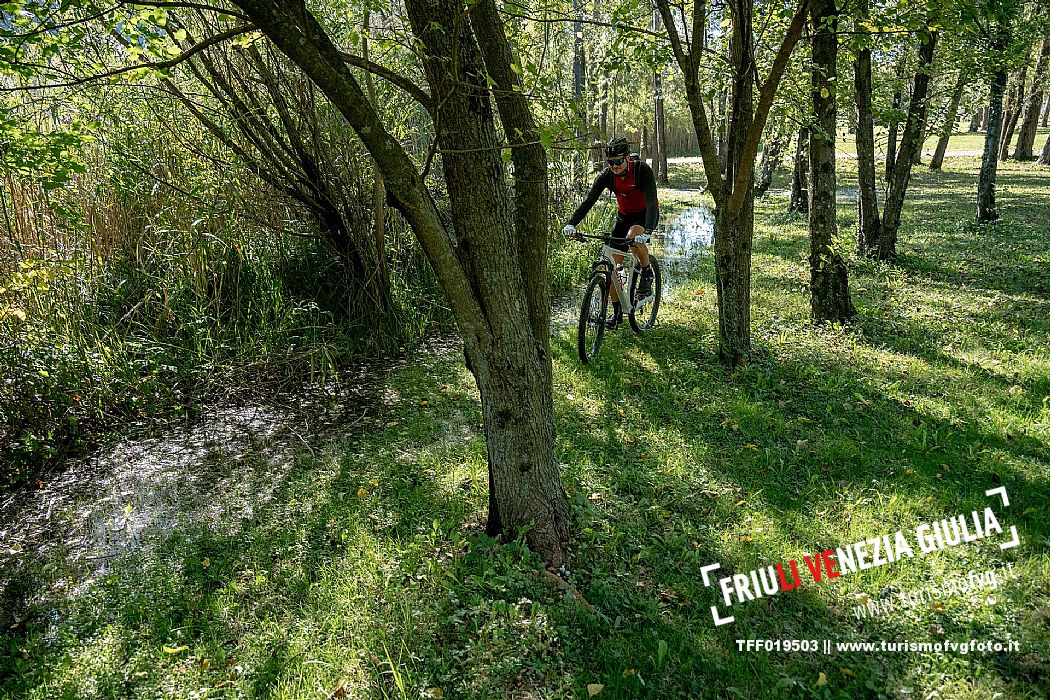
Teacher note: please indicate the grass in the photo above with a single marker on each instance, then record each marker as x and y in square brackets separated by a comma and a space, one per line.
[365, 572]
[961, 140]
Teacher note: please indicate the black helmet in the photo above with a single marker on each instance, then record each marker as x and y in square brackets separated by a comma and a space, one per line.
[617, 147]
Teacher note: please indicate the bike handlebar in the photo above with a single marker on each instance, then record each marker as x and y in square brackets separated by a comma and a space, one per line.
[646, 237]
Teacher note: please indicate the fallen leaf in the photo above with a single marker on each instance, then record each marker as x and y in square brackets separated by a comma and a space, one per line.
[206, 562]
[699, 291]
[628, 672]
[822, 679]
[848, 672]
[745, 538]
[175, 650]
[751, 446]
[340, 689]
[594, 688]
[937, 605]
[362, 492]
[434, 693]
[801, 443]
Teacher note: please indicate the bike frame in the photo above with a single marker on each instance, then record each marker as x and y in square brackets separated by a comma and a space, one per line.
[607, 262]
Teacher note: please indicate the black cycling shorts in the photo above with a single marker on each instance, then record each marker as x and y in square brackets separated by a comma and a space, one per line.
[623, 225]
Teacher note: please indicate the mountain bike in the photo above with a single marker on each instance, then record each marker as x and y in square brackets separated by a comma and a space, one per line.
[625, 278]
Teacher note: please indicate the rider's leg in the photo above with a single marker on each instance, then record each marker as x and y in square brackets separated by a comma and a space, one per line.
[641, 251]
[614, 297]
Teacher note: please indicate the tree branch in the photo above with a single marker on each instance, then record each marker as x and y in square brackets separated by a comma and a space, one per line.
[154, 65]
[765, 101]
[418, 94]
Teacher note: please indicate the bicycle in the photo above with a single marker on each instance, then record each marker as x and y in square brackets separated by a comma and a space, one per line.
[641, 312]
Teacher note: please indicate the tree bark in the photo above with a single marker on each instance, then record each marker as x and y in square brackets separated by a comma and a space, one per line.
[949, 122]
[975, 122]
[911, 140]
[772, 154]
[869, 225]
[1044, 157]
[799, 202]
[986, 211]
[828, 278]
[485, 281]
[891, 128]
[1013, 113]
[1033, 104]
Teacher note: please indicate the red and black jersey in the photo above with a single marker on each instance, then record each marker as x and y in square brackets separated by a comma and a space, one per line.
[635, 192]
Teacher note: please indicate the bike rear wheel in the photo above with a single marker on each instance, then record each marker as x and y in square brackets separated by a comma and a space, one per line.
[643, 313]
[591, 328]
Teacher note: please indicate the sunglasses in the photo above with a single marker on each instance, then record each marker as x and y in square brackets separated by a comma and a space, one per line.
[618, 161]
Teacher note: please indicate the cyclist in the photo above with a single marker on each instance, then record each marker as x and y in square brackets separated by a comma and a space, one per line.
[638, 211]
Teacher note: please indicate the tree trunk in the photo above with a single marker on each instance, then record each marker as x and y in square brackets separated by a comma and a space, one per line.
[498, 298]
[579, 76]
[733, 239]
[732, 244]
[975, 122]
[772, 153]
[733, 194]
[1013, 113]
[378, 188]
[799, 202]
[828, 279]
[868, 223]
[1046, 112]
[911, 140]
[986, 211]
[984, 118]
[1026, 135]
[949, 122]
[891, 128]
[1044, 157]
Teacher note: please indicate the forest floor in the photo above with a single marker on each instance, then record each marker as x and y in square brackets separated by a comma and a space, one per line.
[338, 550]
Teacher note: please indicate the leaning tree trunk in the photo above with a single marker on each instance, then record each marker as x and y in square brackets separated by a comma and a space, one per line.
[799, 202]
[911, 140]
[1013, 113]
[869, 225]
[986, 211]
[949, 122]
[828, 278]
[1034, 103]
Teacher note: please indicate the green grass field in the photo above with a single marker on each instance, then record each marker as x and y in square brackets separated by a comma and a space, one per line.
[960, 141]
[364, 574]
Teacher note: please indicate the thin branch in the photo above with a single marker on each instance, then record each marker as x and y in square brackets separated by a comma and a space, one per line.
[391, 77]
[154, 65]
[200, 6]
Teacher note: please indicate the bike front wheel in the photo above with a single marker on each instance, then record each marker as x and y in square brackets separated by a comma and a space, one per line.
[591, 329]
[644, 309]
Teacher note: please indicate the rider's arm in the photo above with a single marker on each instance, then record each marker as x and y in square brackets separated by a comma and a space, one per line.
[601, 183]
[647, 184]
